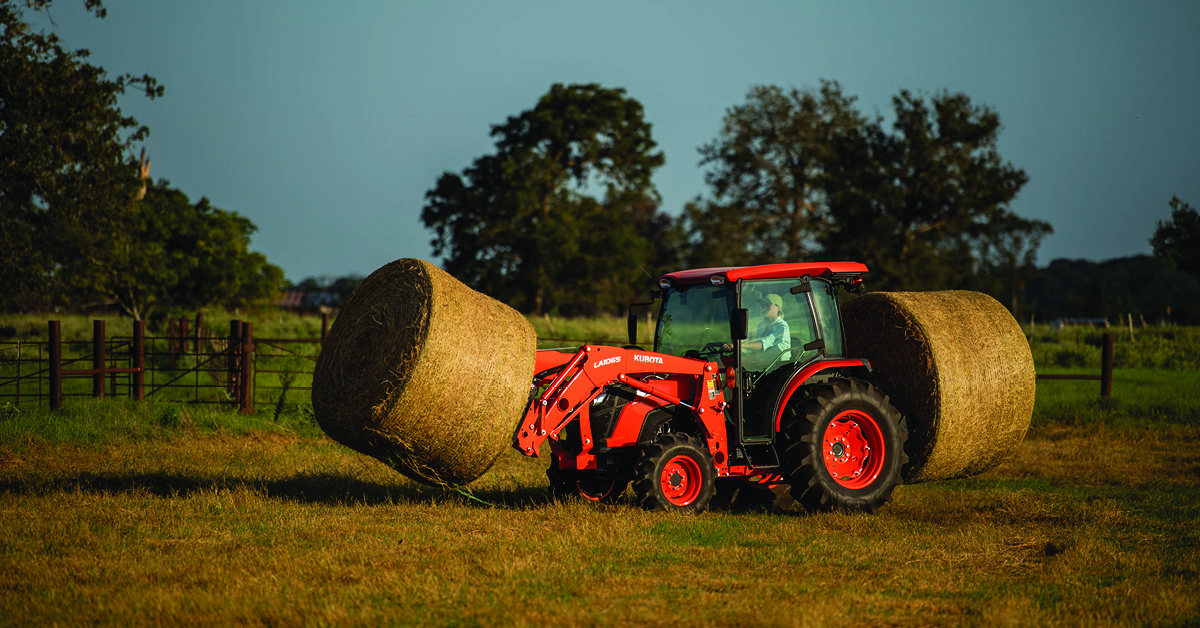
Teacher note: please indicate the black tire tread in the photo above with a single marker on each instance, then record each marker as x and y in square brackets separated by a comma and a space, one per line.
[645, 483]
[804, 419]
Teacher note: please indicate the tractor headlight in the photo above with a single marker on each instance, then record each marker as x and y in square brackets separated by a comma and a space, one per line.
[664, 283]
[717, 280]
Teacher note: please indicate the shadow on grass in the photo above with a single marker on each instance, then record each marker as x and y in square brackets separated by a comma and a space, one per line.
[325, 489]
[328, 489]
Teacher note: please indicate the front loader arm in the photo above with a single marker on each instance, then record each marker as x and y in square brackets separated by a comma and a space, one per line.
[592, 368]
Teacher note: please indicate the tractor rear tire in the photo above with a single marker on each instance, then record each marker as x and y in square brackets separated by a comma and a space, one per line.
[843, 447]
[675, 474]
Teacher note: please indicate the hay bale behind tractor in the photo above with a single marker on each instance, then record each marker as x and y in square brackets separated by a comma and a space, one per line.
[957, 366]
[424, 374]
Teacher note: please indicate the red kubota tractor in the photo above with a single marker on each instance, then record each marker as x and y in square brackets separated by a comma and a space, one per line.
[730, 403]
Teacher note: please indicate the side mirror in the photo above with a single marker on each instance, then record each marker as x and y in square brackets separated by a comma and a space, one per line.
[802, 288]
[739, 323]
[633, 324]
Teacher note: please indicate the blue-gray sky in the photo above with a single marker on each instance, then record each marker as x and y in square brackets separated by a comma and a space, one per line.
[325, 123]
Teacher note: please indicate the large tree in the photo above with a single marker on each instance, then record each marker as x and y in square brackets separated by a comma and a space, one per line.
[173, 255]
[66, 178]
[558, 218]
[928, 205]
[769, 169]
[1178, 238]
[80, 223]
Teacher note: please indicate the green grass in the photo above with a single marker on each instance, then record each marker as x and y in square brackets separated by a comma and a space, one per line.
[78, 327]
[1176, 348]
[114, 421]
[609, 330]
[1141, 398]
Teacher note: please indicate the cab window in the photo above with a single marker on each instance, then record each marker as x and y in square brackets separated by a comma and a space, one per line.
[694, 318]
[781, 323]
[824, 298]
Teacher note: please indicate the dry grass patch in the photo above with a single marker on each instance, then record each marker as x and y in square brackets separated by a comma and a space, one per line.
[1103, 455]
[291, 530]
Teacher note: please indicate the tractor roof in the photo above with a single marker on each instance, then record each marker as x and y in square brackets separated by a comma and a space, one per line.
[769, 271]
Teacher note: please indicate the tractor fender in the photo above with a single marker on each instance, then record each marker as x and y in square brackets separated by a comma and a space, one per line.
[806, 373]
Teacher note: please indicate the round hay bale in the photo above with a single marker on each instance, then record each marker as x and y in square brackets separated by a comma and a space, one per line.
[424, 374]
[957, 366]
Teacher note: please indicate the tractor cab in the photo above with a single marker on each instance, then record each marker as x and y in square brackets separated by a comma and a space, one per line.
[764, 324]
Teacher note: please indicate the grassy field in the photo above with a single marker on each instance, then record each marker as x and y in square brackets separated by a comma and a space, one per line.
[163, 513]
[120, 513]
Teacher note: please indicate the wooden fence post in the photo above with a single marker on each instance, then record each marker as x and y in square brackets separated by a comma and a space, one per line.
[98, 362]
[234, 350]
[199, 330]
[324, 326]
[172, 351]
[183, 336]
[247, 368]
[56, 395]
[1106, 367]
[139, 360]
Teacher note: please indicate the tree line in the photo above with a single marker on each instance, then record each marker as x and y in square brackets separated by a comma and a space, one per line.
[563, 216]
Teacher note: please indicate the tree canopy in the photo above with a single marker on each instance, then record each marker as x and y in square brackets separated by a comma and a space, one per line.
[65, 179]
[173, 255]
[802, 174]
[74, 226]
[1178, 238]
[560, 217]
[769, 172]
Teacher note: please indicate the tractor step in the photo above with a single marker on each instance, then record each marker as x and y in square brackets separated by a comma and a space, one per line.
[761, 456]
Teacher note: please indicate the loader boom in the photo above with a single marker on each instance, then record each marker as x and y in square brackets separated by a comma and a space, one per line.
[660, 381]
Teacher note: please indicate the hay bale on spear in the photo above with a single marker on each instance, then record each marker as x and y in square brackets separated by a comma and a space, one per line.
[957, 366]
[424, 374]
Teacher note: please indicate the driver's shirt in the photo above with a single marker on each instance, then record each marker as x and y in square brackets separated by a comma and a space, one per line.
[775, 334]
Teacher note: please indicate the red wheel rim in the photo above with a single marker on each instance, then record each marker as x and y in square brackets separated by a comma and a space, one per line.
[680, 480]
[853, 449]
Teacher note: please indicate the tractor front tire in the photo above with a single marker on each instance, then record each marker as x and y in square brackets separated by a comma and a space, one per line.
[843, 447]
[675, 474]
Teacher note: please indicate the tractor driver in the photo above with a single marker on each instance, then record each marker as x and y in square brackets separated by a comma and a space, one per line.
[773, 338]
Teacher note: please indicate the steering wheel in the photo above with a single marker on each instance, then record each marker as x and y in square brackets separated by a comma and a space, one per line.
[715, 348]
